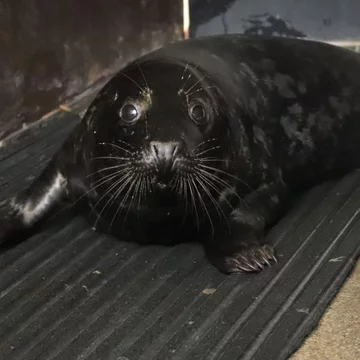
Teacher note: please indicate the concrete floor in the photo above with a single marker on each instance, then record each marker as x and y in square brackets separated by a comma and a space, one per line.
[337, 336]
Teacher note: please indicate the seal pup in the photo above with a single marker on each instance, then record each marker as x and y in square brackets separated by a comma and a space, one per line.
[212, 135]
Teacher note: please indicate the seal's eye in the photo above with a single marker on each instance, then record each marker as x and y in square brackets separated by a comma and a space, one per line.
[198, 114]
[129, 113]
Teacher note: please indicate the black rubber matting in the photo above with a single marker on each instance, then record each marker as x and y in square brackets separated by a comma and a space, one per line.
[68, 293]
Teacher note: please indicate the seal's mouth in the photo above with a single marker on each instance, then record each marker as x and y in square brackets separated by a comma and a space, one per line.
[162, 186]
[161, 175]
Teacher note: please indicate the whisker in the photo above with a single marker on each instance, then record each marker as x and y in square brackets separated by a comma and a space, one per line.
[143, 75]
[202, 78]
[203, 143]
[185, 191]
[126, 143]
[202, 88]
[133, 182]
[111, 187]
[221, 182]
[193, 201]
[208, 181]
[122, 204]
[209, 159]
[115, 195]
[134, 82]
[182, 78]
[207, 192]
[100, 182]
[213, 200]
[109, 158]
[194, 180]
[122, 149]
[106, 169]
[225, 173]
[207, 150]
[180, 190]
[141, 194]
[116, 173]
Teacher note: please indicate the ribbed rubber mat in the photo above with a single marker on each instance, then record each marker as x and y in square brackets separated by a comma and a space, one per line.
[68, 293]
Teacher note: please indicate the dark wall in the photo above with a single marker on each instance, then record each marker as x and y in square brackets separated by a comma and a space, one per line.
[51, 50]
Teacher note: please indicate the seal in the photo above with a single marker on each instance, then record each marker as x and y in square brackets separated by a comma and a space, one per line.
[212, 135]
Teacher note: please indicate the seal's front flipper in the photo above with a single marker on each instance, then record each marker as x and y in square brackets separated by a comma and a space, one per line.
[25, 209]
[252, 258]
[239, 251]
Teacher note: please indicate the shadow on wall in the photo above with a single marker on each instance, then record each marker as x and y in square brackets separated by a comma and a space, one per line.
[202, 11]
[336, 21]
[270, 25]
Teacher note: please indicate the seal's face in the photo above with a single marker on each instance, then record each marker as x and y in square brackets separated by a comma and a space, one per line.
[158, 129]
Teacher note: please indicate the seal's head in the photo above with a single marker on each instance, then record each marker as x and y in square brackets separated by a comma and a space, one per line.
[159, 132]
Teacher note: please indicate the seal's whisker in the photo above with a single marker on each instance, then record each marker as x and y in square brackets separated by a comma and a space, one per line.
[180, 190]
[142, 192]
[195, 181]
[188, 90]
[207, 150]
[109, 189]
[115, 173]
[212, 185]
[185, 190]
[187, 65]
[134, 179]
[202, 143]
[110, 158]
[143, 76]
[125, 179]
[225, 173]
[101, 181]
[107, 178]
[221, 182]
[213, 200]
[214, 177]
[121, 148]
[106, 169]
[129, 191]
[202, 88]
[125, 143]
[123, 174]
[182, 78]
[182, 88]
[193, 201]
[138, 181]
[209, 159]
[117, 182]
[133, 81]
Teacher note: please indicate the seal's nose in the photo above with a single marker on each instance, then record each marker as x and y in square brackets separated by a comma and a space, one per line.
[164, 153]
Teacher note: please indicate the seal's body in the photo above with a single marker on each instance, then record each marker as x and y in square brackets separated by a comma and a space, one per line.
[212, 135]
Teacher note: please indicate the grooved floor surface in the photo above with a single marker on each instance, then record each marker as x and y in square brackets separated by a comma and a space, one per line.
[70, 293]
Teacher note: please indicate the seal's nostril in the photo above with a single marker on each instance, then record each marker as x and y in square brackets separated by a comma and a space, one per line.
[154, 148]
[164, 152]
